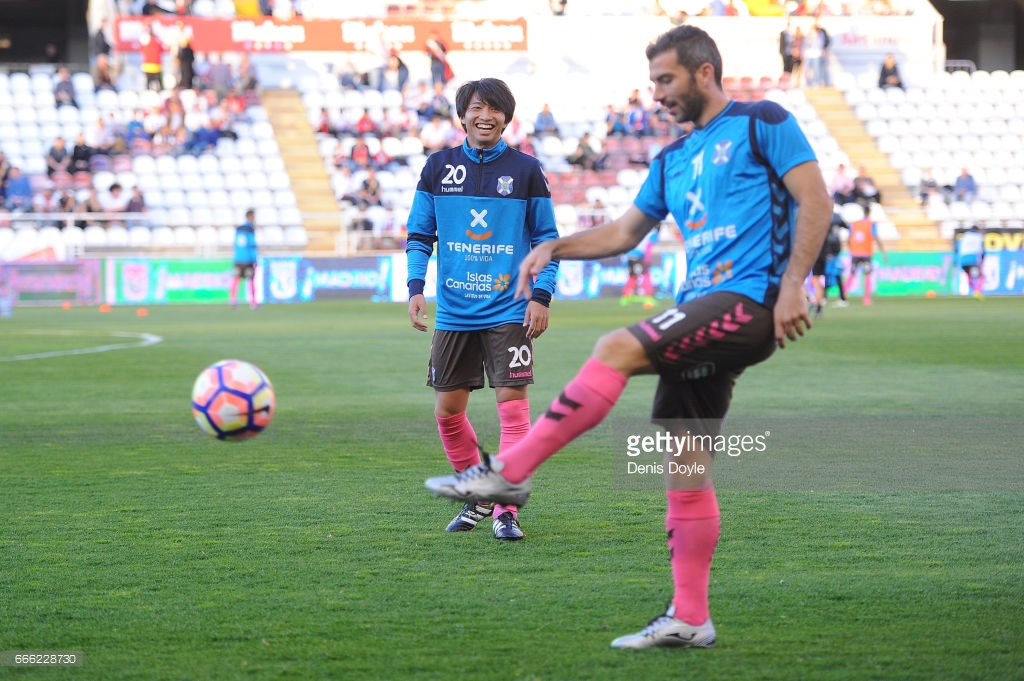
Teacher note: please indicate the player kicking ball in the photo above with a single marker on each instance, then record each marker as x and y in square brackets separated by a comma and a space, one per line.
[745, 165]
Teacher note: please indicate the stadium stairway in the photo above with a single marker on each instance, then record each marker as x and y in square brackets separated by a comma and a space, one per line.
[917, 232]
[305, 167]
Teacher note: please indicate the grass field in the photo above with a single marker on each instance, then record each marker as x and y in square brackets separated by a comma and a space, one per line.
[313, 551]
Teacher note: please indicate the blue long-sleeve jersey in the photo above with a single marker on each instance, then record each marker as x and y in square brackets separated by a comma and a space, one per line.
[485, 209]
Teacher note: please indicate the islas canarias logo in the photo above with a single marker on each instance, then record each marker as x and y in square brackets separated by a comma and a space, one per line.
[721, 272]
[501, 282]
[478, 223]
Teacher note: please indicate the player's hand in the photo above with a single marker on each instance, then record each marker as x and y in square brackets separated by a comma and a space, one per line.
[535, 261]
[418, 311]
[791, 313]
[536, 321]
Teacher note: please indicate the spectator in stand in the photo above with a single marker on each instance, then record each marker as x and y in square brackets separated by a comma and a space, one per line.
[615, 121]
[80, 155]
[434, 134]
[152, 52]
[965, 188]
[245, 75]
[325, 124]
[90, 204]
[865, 191]
[929, 187]
[346, 185]
[64, 90]
[18, 191]
[545, 123]
[786, 49]
[359, 155]
[367, 125]
[529, 145]
[186, 63]
[889, 74]
[136, 204]
[636, 119]
[586, 156]
[798, 57]
[842, 186]
[100, 41]
[203, 139]
[103, 74]
[5, 168]
[58, 160]
[816, 54]
[115, 200]
[418, 98]
[394, 75]
[440, 104]
[371, 193]
[46, 201]
[514, 134]
[440, 69]
[135, 131]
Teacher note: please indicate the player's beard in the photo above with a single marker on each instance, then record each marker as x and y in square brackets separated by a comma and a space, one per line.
[690, 105]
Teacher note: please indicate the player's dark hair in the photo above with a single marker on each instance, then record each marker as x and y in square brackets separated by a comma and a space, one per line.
[693, 47]
[495, 93]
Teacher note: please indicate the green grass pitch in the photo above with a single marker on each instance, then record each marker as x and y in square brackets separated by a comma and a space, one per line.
[314, 552]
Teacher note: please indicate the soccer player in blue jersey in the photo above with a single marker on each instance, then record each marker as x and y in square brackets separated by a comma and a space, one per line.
[969, 249]
[746, 190]
[484, 205]
[245, 257]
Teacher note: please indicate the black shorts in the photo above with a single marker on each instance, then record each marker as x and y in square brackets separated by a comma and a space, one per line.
[971, 270]
[863, 261]
[818, 270]
[458, 359]
[245, 270]
[636, 266]
[699, 349]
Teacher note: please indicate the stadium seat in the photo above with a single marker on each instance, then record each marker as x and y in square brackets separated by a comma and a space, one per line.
[226, 235]
[95, 237]
[296, 236]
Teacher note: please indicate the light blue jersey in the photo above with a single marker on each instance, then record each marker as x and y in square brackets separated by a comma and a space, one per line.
[970, 248]
[728, 199]
[246, 252]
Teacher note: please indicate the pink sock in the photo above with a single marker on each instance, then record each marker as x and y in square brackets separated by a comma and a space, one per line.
[514, 416]
[582, 405]
[252, 290]
[459, 441]
[233, 295]
[692, 524]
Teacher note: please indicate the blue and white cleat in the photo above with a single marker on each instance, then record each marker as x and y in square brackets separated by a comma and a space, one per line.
[482, 481]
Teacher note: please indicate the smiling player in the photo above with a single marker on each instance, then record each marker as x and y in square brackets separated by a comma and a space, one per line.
[485, 205]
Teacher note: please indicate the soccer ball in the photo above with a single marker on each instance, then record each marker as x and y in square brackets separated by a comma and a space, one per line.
[232, 400]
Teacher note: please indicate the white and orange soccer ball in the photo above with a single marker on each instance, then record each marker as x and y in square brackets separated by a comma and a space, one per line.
[232, 400]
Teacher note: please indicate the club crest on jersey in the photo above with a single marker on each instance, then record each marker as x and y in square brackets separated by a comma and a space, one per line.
[723, 152]
[504, 185]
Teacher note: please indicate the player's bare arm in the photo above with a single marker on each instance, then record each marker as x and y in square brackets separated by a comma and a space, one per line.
[612, 238]
[807, 185]
[418, 311]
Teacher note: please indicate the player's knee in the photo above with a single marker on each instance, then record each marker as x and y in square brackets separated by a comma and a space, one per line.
[621, 350]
